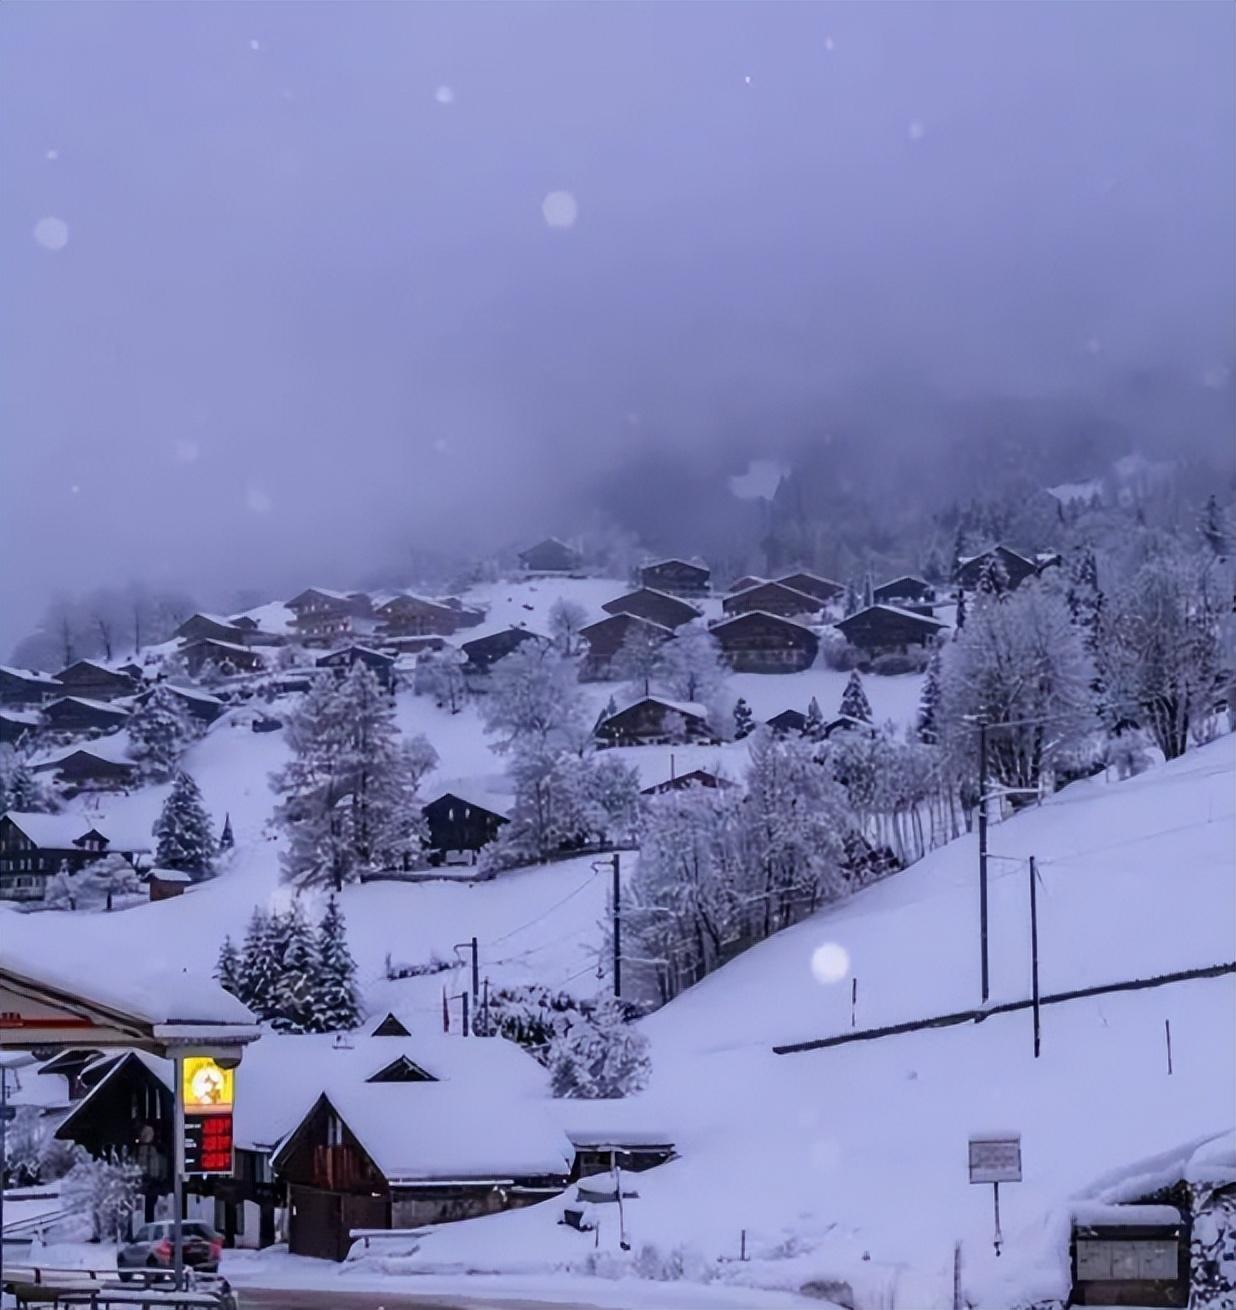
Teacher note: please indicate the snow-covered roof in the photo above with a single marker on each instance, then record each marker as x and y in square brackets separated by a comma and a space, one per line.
[29, 717]
[88, 664]
[762, 614]
[493, 792]
[676, 559]
[225, 645]
[1095, 1214]
[194, 693]
[53, 831]
[162, 1070]
[266, 1112]
[893, 609]
[114, 749]
[274, 618]
[29, 675]
[169, 875]
[678, 706]
[90, 704]
[999, 547]
[813, 602]
[431, 1133]
[327, 591]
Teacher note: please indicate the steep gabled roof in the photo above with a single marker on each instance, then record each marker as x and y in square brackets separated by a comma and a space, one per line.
[926, 620]
[723, 624]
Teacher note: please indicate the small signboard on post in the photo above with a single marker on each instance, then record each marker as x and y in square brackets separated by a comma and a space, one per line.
[995, 1158]
[208, 1097]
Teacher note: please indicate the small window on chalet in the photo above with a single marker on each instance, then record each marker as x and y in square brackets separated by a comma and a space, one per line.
[391, 1027]
[334, 1130]
[402, 1070]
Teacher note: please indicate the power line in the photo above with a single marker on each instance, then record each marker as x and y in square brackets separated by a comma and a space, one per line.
[506, 936]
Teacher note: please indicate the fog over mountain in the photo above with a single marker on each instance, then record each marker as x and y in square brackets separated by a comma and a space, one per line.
[293, 289]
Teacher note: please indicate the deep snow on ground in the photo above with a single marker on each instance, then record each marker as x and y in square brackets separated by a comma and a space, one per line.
[832, 1156]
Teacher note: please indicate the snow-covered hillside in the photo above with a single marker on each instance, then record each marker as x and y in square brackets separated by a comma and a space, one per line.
[850, 1162]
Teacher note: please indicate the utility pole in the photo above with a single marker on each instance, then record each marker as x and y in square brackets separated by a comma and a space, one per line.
[178, 1173]
[476, 976]
[1034, 952]
[4, 1164]
[617, 926]
[463, 996]
[982, 836]
[485, 1013]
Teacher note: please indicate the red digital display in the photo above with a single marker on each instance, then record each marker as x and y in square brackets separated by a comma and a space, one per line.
[208, 1144]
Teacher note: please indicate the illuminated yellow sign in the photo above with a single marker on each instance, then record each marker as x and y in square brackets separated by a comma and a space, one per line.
[206, 1087]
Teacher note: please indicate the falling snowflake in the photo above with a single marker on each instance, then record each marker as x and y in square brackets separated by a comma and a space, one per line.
[444, 95]
[916, 131]
[747, 79]
[440, 445]
[1216, 377]
[560, 209]
[75, 488]
[1093, 346]
[830, 962]
[254, 43]
[53, 154]
[257, 500]
[187, 450]
[829, 44]
[52, 233]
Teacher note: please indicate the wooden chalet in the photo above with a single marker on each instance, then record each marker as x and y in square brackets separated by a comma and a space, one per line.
[605, 639]
[655, 606]
[789, 723]
[77, 714]
[27, 686]
[550, 556]
[94, 681]
[903, 590]
[34, 846]
[460, 826]
[323, 616]
[885, 629]
[83, 769]
[682, 781]
[653, 721]
[240, 632]
[847, 723]
[384, 1155]
[413, 645]
[223, 654]
[484, 652]
[1017, 566]
[126, 1109]
[414, 616]
[747, 581]
[340, 661]
[198, 704]
[17, 724]
[676, 577]
[823, 589]
[759, 642]
[772, 598]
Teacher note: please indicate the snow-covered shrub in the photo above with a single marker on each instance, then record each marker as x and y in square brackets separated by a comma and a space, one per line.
[600, 1058]
[160, 730]
[107, 1189]
[1212, 1284]
[895, 662]
[837, 653]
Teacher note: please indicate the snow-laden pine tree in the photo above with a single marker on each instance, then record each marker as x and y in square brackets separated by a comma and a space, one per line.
[259, 963]
[183, 836]
[439, 675]
[61, 891]
[534, 699]
[993, 577]
[926, 726]
[854, 703]
[744, 720]
[335, 1006]
[228, 969]
[689, 666]
[614, 791]
[160, 729]
[600, 1057]
[813, 728]
[1215, 527]
[296, 1001]
[21, 789]
[1021, 661]
[226, 838]
[108, 878]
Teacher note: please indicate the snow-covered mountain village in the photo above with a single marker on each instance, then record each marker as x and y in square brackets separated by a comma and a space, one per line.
[618, 655]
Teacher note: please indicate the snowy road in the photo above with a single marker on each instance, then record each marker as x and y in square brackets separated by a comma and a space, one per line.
[300, 1299]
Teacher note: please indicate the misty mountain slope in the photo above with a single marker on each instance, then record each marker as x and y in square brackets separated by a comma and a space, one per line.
[829, 1157]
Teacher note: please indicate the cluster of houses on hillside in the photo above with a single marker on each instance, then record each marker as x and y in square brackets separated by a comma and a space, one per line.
[394, 1126]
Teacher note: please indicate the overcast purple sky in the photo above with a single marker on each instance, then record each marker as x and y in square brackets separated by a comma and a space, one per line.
[310, 308]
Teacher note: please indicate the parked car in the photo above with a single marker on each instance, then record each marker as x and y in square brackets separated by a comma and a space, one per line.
[151, 1248]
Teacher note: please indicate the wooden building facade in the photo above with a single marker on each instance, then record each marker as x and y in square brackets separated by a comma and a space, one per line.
[550, 556]
[759, 642]
[772, 598]
[20, 687]
[77, 714]
[654, 606]
[885, 629]
[605, 639]
[676, 577]
[458, 825]
[95, 681]
[652, 721]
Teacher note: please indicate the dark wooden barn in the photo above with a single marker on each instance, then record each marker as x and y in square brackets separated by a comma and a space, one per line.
[682, 781]
[340, 661]
[605, 639]
[95, 681]
[823, 589]
[198, 704]
[766, 643]
[788, 723]
[677, 577]
[1016, 566]
[549, 556]
[882, 629]
[414, 616]
[459, 825]
[744, 583]
[86, 770]
[653, 721]
[198, 627]
[77, 714]
[16, 724]
[655, 606]
[484, 652]
[34, 846]
[899, 591]
[127, 1110]
[224, 655]
[27, 686]
[772, 598]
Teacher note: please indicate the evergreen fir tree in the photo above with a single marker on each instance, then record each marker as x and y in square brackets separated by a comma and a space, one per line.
[744, 720]
[993, 578]
[228, 968]
[259, 964]
[1215, 527]
[226, 839]
[927, 727]
[599, 1058]
[296, 1008]
[813, 729]
[159, 731]
[184, 838]
[61, 890]
[935, 570]
[336, 1007]
[21, 789]
[854, 703]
